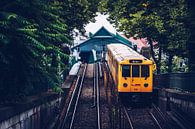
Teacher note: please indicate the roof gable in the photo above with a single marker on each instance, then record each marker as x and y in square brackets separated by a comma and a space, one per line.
[123, 39]
[103, 36]
[102, 32]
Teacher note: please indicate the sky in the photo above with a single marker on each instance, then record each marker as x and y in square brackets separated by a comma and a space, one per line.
[94, 27]
[100, 21]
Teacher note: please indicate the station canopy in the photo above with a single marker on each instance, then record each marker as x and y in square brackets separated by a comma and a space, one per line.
[100, 39]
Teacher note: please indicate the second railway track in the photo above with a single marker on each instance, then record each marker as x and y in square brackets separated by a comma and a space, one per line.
[88, 114]
[83, 110]
[69, 117]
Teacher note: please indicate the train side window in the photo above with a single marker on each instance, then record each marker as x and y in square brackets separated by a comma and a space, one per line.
[135, 70]
[125, 70]
[145, 71]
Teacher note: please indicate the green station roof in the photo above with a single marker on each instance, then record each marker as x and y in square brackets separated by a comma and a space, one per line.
[102, 37]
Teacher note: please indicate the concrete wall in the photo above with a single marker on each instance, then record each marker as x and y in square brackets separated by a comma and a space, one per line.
[182, 103]
[37, 117]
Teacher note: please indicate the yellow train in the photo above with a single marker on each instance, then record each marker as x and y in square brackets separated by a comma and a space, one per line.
[132, 72]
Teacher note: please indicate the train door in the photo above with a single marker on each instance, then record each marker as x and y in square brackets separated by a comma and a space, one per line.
[135, 80]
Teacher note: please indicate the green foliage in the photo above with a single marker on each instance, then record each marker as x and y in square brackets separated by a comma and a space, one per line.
[32, 34]
[79, 13]
[57, 89]
[176, 66]
[161, 21]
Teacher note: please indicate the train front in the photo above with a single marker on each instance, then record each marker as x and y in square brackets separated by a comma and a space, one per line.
[136, 78]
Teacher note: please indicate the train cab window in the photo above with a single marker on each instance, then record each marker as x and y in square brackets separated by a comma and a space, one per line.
[135, 71]
[145, 71]
[125, 70]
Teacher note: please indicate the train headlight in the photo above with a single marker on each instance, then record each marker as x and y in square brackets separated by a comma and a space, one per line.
[125, 84]
[145, 84]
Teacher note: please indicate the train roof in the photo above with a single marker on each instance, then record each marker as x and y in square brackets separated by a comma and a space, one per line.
[122, 52]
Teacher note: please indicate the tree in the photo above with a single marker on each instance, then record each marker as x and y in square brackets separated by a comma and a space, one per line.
[159, 21]
[32, 34]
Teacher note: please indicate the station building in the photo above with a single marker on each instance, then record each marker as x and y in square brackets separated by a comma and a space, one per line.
[95, 47]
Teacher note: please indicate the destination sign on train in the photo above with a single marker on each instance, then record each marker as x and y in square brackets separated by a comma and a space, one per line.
[135, 61]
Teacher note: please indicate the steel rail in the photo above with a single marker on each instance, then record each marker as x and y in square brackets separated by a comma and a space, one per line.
[100, 70]
[98, 99]
[70, 103]
[94, 85]
[157, 110]
[128, 118]
[156, 121]
[78, 96]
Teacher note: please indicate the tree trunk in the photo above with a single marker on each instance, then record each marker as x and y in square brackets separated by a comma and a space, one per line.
[153, 54]
[170, 62]
[159, 60]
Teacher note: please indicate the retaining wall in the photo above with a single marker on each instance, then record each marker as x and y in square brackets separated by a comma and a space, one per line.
[182, 103]
[37, 114]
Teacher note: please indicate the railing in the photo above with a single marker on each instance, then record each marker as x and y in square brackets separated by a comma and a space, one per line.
[179, 81]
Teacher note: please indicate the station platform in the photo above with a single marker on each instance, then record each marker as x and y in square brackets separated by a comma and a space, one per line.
[68, 82]
[72, 75]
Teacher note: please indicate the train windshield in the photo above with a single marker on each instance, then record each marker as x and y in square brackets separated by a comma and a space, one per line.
[126, 70]
[145, 71]
[135, 71]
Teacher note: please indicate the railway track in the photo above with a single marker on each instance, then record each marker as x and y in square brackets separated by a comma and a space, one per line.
[127, 117]
[88, 115]
[73, 104]
[83, 110]
[141, 118]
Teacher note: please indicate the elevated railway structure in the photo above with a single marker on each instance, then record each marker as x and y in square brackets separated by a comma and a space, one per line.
[169, 108]
[91, 101]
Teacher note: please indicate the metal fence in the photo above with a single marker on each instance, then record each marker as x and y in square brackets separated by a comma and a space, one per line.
[180, 81]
